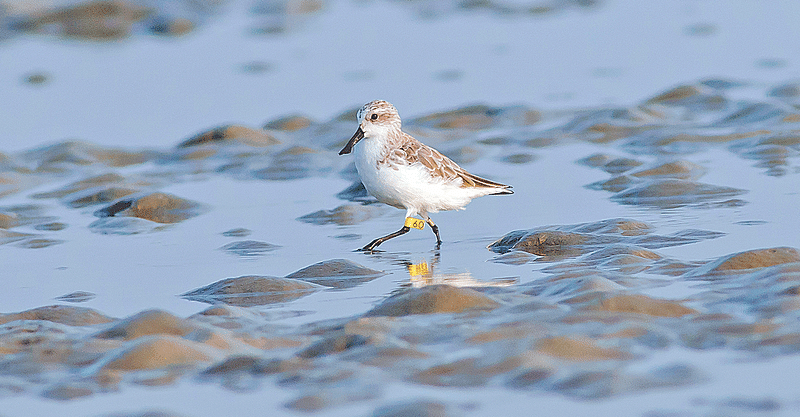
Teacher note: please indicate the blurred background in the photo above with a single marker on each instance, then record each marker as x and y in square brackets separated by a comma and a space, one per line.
[146, 73]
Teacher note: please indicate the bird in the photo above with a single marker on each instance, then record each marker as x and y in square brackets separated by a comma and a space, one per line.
[402, 172]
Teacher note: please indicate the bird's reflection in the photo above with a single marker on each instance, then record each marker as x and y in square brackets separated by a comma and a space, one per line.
[422, 272]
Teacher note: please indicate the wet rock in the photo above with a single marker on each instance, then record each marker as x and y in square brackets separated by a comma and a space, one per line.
[155, 352]
[67, 391]
[752, 259]
[621, 249]
[753, 115]
[615, 184]
[231, 133]
[694, 97]
[77, 297]
[21, 215]
[8, 236]
[790, 90]
[157, 207]
[234, 364]
[433, 299]
[333, 344]
[252, 290]
[294, 163]
[590, 384]
[344, 215]
[121, 226]
[623, 227]
[97, 20]
[290, 123]
[8, 221]
[595, 160]
[336, 273]
[239, 232]
[676, 169]
[638, 304]
[578, 350]
[471, 117]
[520, 158]
[145, 323]
[417, 408]
[50, 227]
[355, 192]
[71, 316]
[150, 413]
[171, 26]
[530, 377]
[672, 193]
[94, 196]
[470, 372]
[249, 248]
[556, 242]
[38, 243]
[91, 182]
[545, 243]
[65, 156]
[620, 165]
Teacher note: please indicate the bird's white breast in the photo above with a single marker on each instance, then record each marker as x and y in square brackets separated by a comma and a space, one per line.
[408, 186]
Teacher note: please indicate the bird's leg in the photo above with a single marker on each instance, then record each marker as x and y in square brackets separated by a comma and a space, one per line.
[374, 244]
[435, 229]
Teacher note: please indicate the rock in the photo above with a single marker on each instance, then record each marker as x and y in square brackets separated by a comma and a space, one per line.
[677, 169]
[470, 117]
[333, 344]
[415, 408]
[121, 226]
[434, 299]
[615, 184]
[336, 273]
[469, 372]
[294, 163]
[238, 232]
[50, 227]
[65, 156]
[620, 165]
[97, 195]
[551, 243]
[752, 259]
[581, 349]
[344, 215]
[252, 290]
[155, 352]
[77, 297]
[638, 304]
[69, 315]
[231, 133]
[355, 192]
[98, 20]
[290, 123]
[249, 248]
[672, 193]
[171, 26]
[66, 391]
[145, 323]
[38, 243]
[91, 182]
[157, 207]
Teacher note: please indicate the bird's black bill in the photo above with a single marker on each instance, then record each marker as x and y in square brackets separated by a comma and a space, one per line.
[356, 137]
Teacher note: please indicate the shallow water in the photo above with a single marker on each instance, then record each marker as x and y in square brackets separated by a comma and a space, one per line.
[647, 261]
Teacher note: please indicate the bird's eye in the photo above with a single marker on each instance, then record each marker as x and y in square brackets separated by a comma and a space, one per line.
[374, 116]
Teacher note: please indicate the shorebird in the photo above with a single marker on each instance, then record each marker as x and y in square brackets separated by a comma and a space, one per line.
[402, 172]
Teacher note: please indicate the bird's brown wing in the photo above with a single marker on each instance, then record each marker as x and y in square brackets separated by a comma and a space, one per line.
[440, 166]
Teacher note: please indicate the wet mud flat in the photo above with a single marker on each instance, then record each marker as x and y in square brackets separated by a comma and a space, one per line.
[577, 311]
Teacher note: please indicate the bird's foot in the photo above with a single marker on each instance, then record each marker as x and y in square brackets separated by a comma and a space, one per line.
[370, 247]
